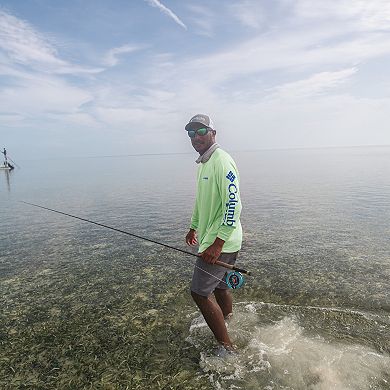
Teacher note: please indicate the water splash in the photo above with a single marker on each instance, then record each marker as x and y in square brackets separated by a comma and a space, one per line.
[282, 354]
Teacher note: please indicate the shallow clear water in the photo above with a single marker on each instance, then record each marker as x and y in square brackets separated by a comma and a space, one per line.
[85, 307]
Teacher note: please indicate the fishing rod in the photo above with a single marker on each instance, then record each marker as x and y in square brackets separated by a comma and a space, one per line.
[13, 162]
[234, 279]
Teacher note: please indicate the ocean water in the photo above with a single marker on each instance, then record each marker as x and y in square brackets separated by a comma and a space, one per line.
[83, 307]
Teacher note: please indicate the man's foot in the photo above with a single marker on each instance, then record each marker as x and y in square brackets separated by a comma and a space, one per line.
[228, 316]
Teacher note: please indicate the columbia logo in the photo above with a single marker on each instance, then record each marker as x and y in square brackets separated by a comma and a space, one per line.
[205, 178]
[230, 176]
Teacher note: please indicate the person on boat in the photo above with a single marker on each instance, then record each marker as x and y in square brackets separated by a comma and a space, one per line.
[215, 226]
[5, 158]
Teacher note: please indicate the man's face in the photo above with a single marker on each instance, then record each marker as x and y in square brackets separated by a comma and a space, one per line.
[202, 142]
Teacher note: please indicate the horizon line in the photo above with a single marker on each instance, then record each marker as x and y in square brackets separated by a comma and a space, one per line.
[229, 150]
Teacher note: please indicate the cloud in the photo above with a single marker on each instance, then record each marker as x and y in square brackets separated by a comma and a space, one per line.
[167, 11]
[11, 118]
[204, 20]
[35, 87]
[111, 58]
[249, 13]
[76, 70]
[55, 95]
[314, 85]
[21, 44]
[287, 51]
[363, 15]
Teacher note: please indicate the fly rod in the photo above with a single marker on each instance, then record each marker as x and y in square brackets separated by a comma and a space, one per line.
[222, 264]
[13, 162]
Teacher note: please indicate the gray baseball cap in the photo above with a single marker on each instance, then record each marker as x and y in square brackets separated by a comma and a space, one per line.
[197, 119]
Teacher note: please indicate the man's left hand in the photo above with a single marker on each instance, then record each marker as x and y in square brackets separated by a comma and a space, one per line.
[212, 253]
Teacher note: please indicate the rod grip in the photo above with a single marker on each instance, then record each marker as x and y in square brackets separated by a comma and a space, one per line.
[222, 264]
[234, 268]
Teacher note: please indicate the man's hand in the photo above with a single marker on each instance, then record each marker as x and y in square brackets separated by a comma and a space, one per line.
[212, 253]
[191, 239]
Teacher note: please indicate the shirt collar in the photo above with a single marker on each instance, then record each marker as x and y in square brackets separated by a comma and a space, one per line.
[207, 154]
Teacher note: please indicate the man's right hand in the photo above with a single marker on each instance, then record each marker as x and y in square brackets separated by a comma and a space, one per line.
[191, 239]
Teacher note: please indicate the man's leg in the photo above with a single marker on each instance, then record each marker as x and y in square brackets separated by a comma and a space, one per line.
[225, 301]
[214, 317]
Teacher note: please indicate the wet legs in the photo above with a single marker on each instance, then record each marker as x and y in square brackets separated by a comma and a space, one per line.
[214, 314]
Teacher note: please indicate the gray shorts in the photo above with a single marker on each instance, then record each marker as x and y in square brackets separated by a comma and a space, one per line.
[204, 283]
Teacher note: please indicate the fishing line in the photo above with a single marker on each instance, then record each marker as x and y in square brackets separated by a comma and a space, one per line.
[234, 279]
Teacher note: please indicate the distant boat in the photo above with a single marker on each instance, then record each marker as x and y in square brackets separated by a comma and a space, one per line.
[6, 164]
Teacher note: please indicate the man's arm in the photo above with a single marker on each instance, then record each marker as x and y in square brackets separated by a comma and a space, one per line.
[231, 205]
[191, 238]
[231, 200]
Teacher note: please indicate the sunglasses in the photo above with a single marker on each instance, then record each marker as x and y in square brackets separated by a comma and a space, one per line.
[202, 131]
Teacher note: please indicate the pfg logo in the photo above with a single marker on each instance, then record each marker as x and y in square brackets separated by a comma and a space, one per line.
[200, 118]
[231, 205]
[230, 176]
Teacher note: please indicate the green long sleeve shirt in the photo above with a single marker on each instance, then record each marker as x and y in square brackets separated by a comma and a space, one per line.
[218, 206]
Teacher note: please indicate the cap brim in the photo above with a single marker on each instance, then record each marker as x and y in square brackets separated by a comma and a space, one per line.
[194, 125]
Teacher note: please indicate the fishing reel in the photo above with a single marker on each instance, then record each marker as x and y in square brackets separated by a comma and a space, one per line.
[234, 279]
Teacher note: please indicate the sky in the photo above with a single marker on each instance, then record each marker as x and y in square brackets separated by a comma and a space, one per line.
[98, 78]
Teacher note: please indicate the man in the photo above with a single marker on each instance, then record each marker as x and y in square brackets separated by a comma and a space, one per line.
[5, 158]
[215, 225]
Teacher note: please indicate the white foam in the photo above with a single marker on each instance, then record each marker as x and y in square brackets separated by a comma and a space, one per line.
[283, 355]
[197, 322]
[251, 307]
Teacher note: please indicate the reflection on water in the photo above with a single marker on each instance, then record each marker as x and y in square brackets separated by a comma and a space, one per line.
[85, 307]
[6, 173]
